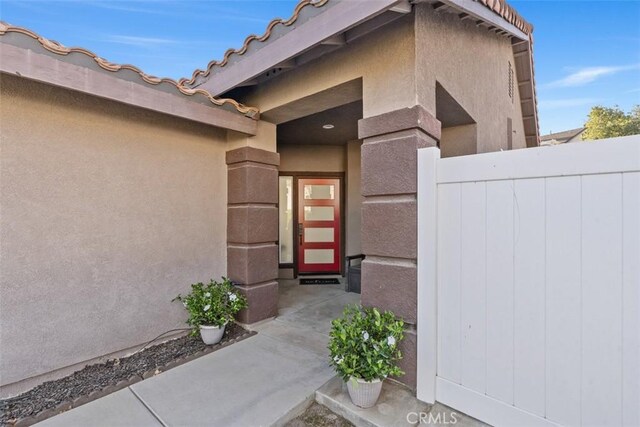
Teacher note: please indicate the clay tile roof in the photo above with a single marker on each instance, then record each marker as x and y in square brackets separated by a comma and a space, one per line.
[241, 51]
[57, 48]
[508, 13]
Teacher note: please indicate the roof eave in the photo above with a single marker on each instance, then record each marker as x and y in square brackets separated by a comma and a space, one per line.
[335, 20]
[25, 63]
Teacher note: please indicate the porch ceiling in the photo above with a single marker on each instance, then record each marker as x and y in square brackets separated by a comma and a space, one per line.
[308, 130]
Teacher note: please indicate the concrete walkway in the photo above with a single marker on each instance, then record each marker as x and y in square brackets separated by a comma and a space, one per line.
[256, 382]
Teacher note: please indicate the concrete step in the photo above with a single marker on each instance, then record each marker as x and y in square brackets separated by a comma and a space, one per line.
[395, 405]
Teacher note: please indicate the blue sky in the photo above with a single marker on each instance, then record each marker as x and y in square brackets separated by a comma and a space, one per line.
[586, 52]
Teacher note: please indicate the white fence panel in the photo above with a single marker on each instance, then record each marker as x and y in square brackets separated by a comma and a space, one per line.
[529, 295]
[531, 316]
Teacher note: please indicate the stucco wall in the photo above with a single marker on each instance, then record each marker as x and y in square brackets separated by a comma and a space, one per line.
[354, 198]
[312, 158]
[471, 63]
[385, 60]
[107, 212]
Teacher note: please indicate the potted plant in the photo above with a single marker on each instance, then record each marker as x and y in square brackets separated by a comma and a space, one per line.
[363, 346]
[211, 307]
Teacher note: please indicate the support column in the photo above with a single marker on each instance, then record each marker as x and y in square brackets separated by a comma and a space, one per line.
[389, 216]
[252, 230]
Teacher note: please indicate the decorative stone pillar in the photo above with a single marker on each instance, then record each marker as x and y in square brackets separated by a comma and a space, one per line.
[389, 216]
[252, 230]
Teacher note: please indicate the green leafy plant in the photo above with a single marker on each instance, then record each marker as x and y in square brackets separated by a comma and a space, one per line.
[213, 304]
[363, 343]
[606, 122]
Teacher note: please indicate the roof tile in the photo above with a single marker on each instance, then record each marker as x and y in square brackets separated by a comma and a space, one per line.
[278, 21]
[57, 48]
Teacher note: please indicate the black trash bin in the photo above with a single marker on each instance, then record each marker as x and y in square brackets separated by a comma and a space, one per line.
[354, 273]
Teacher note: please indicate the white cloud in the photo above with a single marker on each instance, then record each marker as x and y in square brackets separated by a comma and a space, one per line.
[139, 41]
[552, 104]
[587, 75]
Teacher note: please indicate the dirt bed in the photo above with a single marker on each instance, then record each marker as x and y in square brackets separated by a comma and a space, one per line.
[317, 415]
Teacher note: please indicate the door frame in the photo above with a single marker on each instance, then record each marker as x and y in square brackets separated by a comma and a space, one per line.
[311, 175]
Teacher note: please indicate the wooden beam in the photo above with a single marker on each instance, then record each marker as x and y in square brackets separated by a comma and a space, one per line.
[403, 7]
[523, 100]
[520, 54]
[291, 63]
[481, 12]
[51, 70]
[336, 40]
[251, 82]
[531, 117]
[438, 6]
[371, 25]
[524, 82]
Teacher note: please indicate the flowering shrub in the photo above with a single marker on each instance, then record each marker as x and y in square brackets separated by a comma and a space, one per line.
[213, 304]
[363, 343]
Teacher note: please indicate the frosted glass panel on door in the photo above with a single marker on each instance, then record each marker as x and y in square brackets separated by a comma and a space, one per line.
[312, 234]
[319, 192]
[318, 213]
[318, 256]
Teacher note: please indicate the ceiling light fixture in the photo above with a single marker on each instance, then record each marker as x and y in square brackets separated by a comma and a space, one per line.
[328, 126]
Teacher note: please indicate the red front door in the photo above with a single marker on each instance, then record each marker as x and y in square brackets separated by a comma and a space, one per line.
[319, 225]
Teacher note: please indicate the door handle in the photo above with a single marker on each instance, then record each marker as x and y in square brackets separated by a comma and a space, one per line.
[300, 231]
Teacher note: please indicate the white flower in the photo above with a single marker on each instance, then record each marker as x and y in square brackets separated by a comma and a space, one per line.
[365, 335]
[207, 295]
[391, 341]
[184, 303]
[232, 296]
[207, 307]
[338, 360]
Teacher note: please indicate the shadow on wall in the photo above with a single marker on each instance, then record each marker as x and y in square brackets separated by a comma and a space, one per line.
[459, 129]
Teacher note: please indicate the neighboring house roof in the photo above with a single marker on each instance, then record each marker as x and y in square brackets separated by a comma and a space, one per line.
[561, 137]
[319, 27]
[58, 49]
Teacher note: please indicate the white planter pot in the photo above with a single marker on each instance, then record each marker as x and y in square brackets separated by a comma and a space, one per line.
[364, 393]
[212, 334]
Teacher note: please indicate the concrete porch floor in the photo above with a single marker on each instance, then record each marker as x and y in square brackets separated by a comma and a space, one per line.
[256, 382]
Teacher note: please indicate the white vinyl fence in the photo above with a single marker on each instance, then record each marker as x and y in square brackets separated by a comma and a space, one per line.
[528, 284]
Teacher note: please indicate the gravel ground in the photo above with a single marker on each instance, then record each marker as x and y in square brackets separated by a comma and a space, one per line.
[317, 415]
[97, 377]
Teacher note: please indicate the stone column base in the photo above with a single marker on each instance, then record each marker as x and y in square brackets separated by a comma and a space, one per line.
[389, 216]
[252, 230]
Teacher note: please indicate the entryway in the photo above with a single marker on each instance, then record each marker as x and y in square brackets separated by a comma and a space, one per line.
[319, 192]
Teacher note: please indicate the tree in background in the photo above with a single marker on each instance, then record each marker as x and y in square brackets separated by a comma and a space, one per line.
[606, 122]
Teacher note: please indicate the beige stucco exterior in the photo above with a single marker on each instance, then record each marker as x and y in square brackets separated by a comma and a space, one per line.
[471, 63]
[386, 55]
[312, 158]
[107, 212]
[399, 66]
